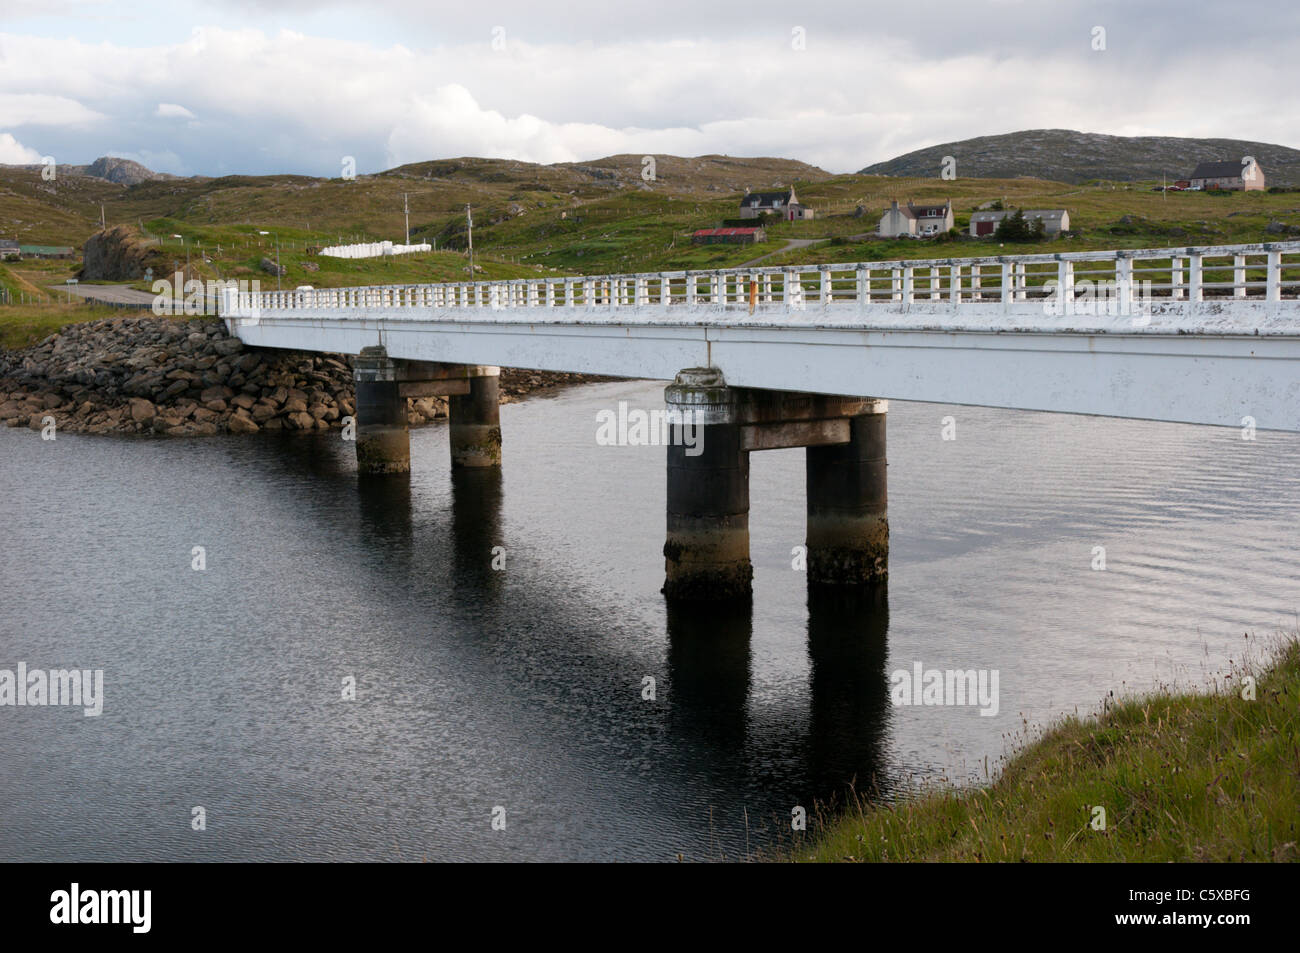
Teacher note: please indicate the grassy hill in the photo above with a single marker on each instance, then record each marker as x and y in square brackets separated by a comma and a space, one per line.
[1181, 777]
[593, 217]
[1069, 156]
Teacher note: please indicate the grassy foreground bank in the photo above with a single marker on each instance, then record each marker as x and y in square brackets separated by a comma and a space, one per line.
[1182, 777]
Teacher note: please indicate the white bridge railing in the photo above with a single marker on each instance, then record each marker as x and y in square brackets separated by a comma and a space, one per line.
[1267, 272]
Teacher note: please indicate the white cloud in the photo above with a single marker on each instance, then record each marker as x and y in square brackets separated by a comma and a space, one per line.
[43, 109]
[172, 111]
[13, 152]
[293, 101]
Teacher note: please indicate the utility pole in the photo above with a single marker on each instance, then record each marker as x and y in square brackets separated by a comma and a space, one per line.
[406, 212]
[469, 219]
[102, 223]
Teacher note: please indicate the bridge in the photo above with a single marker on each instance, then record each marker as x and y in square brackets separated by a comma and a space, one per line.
[808, 356]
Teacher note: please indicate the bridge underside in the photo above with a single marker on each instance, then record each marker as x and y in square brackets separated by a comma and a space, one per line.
[1143, 374]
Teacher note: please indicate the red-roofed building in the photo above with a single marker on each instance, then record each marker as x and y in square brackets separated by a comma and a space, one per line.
[728, 236]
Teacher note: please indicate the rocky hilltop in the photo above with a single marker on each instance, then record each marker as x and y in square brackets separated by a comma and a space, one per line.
[144, 374]
[1064, 155]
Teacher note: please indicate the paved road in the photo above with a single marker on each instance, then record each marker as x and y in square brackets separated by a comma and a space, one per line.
[113, 294]
[792, 243]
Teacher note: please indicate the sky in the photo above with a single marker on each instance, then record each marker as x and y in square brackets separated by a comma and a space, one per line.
[215, 87]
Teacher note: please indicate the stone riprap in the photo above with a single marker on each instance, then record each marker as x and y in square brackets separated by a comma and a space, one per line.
[146, 374]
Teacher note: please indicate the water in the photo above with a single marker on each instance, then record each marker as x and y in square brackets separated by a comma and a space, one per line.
[522, 688]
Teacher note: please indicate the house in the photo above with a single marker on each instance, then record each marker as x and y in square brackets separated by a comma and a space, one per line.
[1246, 176]
[46, 251]
[728, 236]
[1055, 221]
[916, 221]
[9, 249]
[784, 204]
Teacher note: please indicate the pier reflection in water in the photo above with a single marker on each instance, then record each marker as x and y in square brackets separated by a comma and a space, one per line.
[522, 686]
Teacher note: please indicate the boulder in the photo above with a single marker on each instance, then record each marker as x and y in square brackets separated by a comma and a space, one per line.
[142, 410]
[241, 424]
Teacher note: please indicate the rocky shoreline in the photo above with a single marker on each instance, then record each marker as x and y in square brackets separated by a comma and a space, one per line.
[145, 374]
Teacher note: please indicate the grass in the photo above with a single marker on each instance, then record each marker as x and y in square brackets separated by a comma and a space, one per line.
[24, 325]
[1182, 777]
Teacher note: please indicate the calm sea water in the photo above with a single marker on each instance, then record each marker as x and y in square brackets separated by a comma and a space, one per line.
[522, 689]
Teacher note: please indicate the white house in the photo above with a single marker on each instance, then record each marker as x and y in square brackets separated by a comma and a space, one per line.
[1246, 176]
[915, 221]
[784, 204]
[1055, 221]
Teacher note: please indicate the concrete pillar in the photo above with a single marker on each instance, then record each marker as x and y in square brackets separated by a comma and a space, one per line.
[475, 430]
[706, 555]
[383, 441]
[848, 525]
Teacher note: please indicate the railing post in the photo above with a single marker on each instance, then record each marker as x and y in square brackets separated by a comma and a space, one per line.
[1273, 281]
[1195, 278]
[1008, 284]
[862, 285]
[1065, 285]
[1239, 276]
[975, 293]
[1124, 282]
[907, 287]
[954, 283]
[826, 285]
[935, 293]
[690, 289]
[716, 289]
[1176, 278]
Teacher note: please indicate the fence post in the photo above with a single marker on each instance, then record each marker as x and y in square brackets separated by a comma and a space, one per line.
[1239, 276]
[1273, 282]
[1195, 278]
[1124, 282]
[1065, 285]
[1008, 284]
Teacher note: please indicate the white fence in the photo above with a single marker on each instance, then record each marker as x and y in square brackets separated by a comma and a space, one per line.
[1267, 272]
[372, 250]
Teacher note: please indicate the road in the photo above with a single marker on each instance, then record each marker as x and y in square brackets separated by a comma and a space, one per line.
[791, 244]
[111, 294]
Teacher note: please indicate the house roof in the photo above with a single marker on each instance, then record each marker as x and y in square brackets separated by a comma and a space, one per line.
[765, 199]
[1046, 214]
[718, 232]
[1218, 170]
[8, 243]
[928, 211]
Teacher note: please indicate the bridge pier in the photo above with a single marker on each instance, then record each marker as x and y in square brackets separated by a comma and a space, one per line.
[476, 420]
[382, 438]
[848, 520]
[707, 548]
[706, 555]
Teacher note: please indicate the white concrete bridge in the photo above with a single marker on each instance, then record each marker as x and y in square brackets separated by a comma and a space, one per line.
[765, 358]
[1204, 335]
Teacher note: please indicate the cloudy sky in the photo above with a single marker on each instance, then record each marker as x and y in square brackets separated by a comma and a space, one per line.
[258, 86]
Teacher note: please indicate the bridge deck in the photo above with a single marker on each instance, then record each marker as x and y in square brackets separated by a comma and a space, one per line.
[1201, 335]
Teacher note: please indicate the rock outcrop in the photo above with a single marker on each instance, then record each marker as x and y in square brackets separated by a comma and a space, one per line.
[144, 374]
[119, 254]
